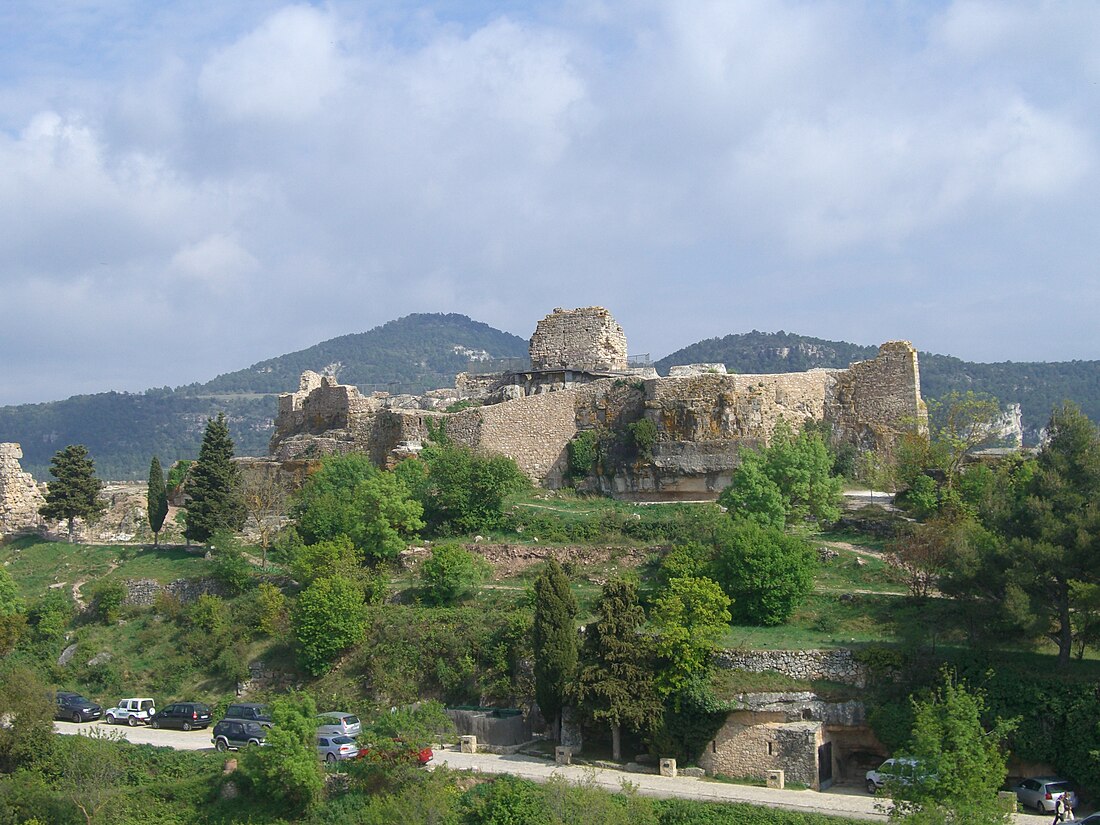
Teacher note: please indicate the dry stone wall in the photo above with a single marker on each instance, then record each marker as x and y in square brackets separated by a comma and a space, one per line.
[837, 665]
[20, 497]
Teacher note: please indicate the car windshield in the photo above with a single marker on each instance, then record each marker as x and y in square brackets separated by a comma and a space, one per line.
[1059, 787]
[342, 740]
[351, 720]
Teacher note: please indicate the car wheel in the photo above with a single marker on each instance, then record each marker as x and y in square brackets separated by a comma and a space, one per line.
[221, 745]
[254, 742]
[330, 757]
[110, 720]
[187, 726]
[76, 718]
[871, 786]
[132, 721]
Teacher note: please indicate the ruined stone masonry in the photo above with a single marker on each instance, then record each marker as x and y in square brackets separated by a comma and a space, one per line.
[579, 380]
[20, 497]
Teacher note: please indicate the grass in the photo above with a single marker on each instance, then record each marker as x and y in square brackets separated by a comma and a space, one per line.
[35, 564]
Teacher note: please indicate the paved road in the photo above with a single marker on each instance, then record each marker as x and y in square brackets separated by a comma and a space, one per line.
[848, 801]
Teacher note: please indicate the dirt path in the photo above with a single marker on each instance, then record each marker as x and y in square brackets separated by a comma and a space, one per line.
[79, 584]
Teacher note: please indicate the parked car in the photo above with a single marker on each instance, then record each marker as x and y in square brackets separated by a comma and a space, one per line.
[331, 748]
[1042, 792]
[249, 712]
[76, 708]
[396, 752]
[130, 711]
[182, 715]
[902, 770]
[338, 723]
[232, 734]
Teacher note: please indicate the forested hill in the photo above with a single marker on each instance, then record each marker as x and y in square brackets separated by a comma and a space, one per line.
[1036, 387]
[122, 431]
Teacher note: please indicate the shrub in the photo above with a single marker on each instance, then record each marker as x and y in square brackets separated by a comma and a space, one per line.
[450, 574]
[328, 619]
[643, 436]
[230, 567]
[766, 572]
[107, 598]
[584, 452]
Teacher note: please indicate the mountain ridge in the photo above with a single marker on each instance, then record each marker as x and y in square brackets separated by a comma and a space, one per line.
[425, 351]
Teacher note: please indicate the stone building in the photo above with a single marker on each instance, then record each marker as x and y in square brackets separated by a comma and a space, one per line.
[580, 380]
[814, 743]
[20, 497]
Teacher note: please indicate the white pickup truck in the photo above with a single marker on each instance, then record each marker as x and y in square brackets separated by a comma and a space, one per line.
[130, 711]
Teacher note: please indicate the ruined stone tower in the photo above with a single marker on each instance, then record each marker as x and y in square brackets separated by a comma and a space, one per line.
[19, 495]
[585, 339]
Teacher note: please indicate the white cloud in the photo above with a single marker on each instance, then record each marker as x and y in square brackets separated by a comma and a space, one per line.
[288, 68]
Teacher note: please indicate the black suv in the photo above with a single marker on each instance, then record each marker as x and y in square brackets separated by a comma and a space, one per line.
[235, 733]
[75, 707]
[182, 715]
[249, 712]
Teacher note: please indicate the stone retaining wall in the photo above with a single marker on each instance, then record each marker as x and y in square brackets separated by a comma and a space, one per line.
[837, 665]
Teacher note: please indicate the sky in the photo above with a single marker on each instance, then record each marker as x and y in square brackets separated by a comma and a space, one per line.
[187, 188]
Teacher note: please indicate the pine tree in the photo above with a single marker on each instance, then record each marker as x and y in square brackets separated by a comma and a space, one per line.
[75, 493]
[157, 499]
[615, 681]
[555, 641]
[214, 486]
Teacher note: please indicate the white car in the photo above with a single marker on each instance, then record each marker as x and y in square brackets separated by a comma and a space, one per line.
[130, 711]
[901, 770]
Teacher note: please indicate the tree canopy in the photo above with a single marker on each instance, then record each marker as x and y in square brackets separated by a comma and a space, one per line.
[554, 636]
[214, 486]
[74, 493]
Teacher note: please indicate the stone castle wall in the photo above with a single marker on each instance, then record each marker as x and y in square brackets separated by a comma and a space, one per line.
[873, 401]
[579, 339]
[20, 497]
[533, 430]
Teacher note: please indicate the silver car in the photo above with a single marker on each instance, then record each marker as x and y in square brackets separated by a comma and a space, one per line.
[1042, 792]
[338, 723]
[333, 748]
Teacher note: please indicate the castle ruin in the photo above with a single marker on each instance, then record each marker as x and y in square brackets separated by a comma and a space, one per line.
[580, 380]
[20, 497]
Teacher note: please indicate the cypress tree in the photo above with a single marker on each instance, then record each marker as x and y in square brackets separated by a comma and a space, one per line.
[615, 681]
[214, 486]
[157, 499]
[75, 492]
[554, 641]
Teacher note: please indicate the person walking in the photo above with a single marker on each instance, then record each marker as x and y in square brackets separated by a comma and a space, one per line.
[1062, 810]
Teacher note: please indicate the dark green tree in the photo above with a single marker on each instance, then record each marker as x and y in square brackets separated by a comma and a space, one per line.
[766, 572]
[156, 499]
[1055, 531]
[554, 641]
[214, 486]
[75, 492]
[614, 683]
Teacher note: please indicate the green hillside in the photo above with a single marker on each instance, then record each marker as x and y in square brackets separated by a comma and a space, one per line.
[1036, 387]
[123, 430]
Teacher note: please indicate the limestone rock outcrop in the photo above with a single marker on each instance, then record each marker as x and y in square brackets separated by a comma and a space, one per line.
[20, 497]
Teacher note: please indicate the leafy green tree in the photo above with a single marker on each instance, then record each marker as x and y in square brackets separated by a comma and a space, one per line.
[766, 572]
[156, 499]
[753, 495]
[230, 566]
[286, 769]
[786, 482]
[107, 598]
[960, 765]
[75, 492]
[328, 618]
[450, 574]
[614, 683]
[464, 492]
[689, 617]
[689, 560]
[28, 713]
[335, 557]
[13, 619]
[214, 486]
[554, 641]
[351, 497]
[960, 423]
